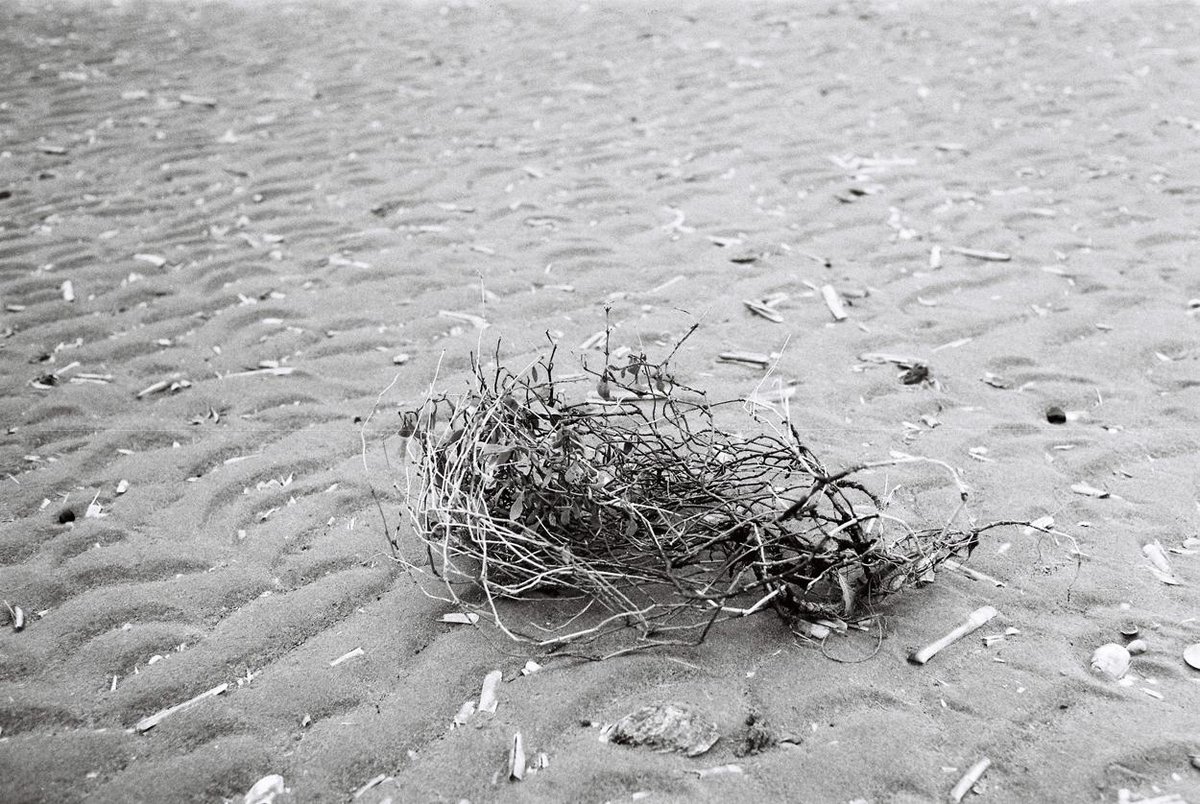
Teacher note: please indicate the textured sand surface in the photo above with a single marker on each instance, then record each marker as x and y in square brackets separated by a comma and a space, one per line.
[303, 188]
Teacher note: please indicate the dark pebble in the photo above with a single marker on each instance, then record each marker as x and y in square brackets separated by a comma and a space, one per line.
[916, 374]
[1056, 415]
[66, 515]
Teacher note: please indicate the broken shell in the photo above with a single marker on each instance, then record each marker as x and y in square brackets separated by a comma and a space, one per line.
[1129, 631]
[1137, 647]
[265, 790]
[1191, 655]
[1112, 660]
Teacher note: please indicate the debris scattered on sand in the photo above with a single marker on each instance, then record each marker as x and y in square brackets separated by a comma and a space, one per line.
[345, 657]
[94, 509]
[68, 291]
[1088, 490]
[16, 616]
[973, 622]
[756, 739]
[664, 727]
[464, 714]
[147, 723]
[915, 375]
[676, 225]
[762, 309]
[373, 782]
[93, 379]
[1191, 655]
[189, 99]
[468, 318]
[972, 573]
[265, 790]
[153, 259]
[1111, 661]
[516, 758]
[488, 700]
[170, 386]
[1124, 796]
[530, 668]
[1159, 565]
[660, 288]
[978, 254]
[834, 302]
[460, 617]
[969, 779]
[719, 770]
[749, 358]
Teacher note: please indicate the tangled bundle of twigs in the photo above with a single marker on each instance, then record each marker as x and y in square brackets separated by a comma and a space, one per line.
[634, 510]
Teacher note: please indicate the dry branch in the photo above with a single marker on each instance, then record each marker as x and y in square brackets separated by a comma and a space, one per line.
[637, 514]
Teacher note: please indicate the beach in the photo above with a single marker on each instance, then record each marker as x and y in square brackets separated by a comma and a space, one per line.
[237, 238]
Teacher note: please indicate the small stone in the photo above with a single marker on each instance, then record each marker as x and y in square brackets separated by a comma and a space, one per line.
[1137, 647]
[1056, 415]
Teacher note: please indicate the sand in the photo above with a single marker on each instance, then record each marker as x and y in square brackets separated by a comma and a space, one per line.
[260, 207]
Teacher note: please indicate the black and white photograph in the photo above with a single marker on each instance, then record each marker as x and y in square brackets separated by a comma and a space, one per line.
[598, 401]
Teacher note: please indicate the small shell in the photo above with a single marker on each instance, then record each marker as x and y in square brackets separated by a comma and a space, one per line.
[1112, 660]
[1191, 655]
[1137, 647]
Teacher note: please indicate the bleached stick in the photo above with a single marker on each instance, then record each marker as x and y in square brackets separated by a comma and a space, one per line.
[974, 621]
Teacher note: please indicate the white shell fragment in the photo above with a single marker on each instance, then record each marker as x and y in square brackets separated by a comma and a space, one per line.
[487, 696]
[1191, 655]
[665, 727]
[968, 780]
[1159, 565]
[1111, 660]
[460, 617]
[464, 714]
[265, 790]
[516, 758]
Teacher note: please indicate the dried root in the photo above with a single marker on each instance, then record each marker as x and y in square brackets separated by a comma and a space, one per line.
[636, 517]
